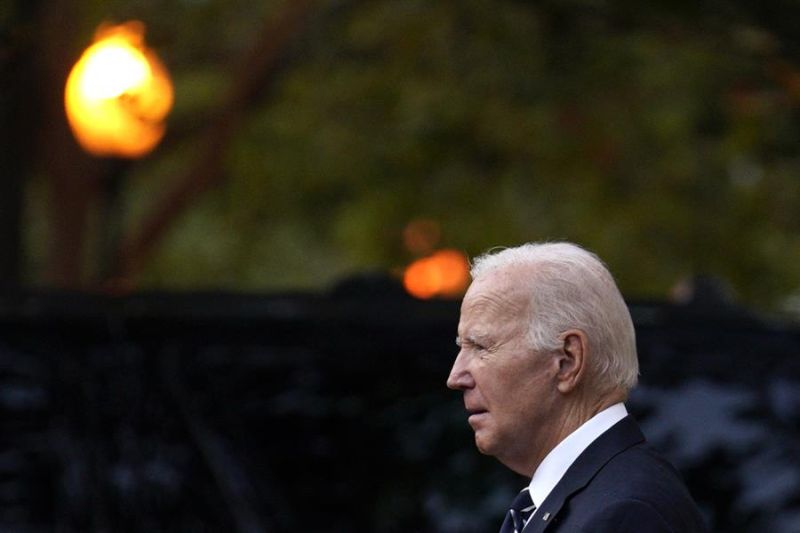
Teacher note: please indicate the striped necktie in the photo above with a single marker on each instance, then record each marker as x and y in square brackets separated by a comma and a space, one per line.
[521, 509]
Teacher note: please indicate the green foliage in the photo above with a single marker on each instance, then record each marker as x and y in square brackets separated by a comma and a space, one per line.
[663, 137]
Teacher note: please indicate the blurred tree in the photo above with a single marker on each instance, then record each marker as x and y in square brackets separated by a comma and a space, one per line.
[663, 136]
[16, 130]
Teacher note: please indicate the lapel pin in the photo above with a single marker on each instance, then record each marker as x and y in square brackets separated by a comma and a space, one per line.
[546, 516]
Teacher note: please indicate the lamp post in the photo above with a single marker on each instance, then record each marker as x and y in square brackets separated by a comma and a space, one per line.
[117, 98]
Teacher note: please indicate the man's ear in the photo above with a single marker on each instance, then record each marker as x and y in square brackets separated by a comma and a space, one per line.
[571, 360]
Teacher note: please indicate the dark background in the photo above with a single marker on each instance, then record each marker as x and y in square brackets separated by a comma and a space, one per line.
[328, 412]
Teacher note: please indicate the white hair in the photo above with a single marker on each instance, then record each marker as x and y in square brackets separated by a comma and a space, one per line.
[571, 288]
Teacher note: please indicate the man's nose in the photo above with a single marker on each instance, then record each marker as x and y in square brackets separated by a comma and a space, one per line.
[460, 378]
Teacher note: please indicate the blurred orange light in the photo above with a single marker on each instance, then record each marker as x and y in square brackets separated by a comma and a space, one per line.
[443, 274]
[118, 94]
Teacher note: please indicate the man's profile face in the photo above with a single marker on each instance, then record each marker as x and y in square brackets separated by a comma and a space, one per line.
[508, 388]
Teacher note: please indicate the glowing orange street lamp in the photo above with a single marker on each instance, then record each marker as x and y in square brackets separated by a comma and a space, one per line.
[117, 98]
[118, 94]
[442, 274]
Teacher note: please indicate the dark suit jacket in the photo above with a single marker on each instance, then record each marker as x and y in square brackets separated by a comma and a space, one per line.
[619, 484]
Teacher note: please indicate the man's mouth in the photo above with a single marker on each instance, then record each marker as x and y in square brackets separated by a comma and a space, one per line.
[476, 412]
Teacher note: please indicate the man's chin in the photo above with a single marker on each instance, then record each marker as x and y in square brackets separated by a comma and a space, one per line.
[484, 445]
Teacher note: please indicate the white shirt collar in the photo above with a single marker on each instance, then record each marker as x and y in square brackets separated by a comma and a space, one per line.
[560, 458]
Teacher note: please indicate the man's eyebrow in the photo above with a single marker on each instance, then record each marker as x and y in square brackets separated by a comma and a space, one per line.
[471, 339]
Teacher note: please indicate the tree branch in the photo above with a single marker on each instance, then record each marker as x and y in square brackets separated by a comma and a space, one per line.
[258, 70]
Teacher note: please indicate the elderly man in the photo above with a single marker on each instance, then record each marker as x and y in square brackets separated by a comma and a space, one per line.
[547, 357]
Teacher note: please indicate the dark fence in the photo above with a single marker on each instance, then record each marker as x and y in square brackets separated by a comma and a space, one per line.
[317, 413]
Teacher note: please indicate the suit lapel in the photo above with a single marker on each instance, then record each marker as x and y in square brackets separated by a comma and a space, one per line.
[617, 439]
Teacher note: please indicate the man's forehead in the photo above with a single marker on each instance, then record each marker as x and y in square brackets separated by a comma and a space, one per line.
[501, 290]
[511, 280]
